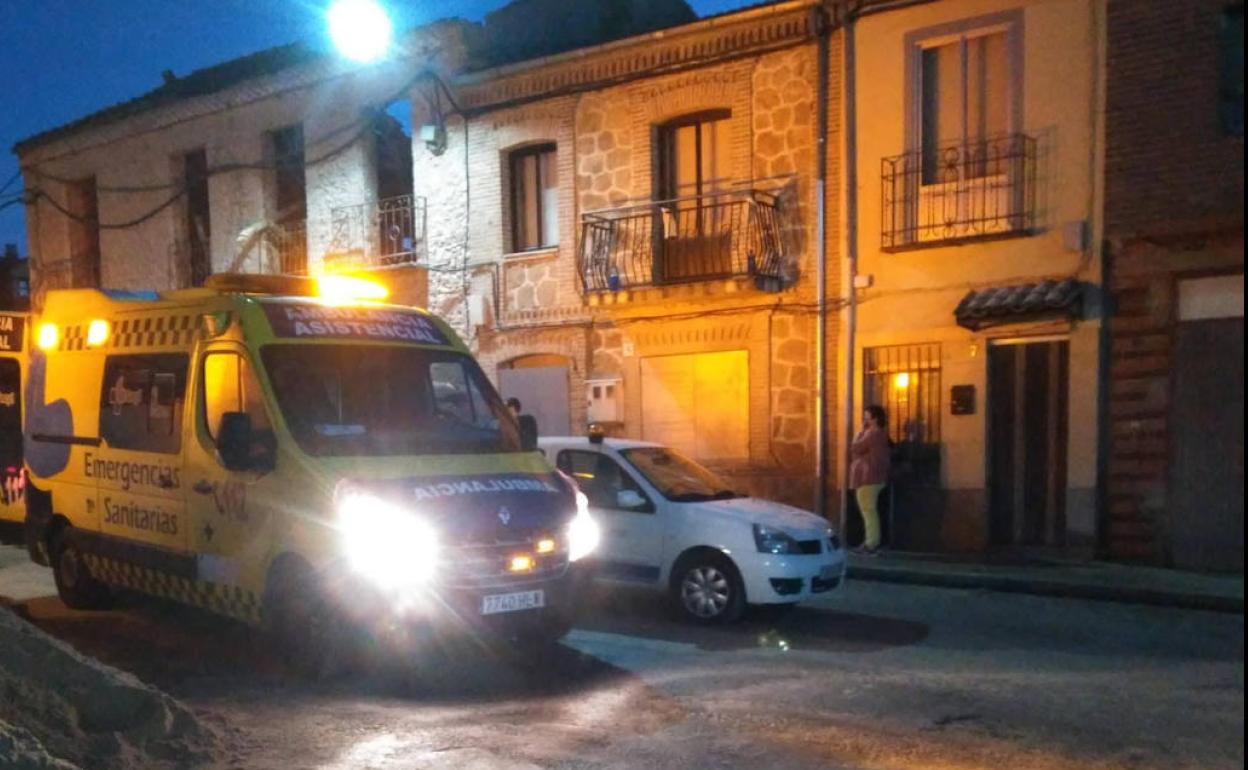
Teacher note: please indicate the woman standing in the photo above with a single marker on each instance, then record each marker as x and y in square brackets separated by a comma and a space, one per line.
[868, 472]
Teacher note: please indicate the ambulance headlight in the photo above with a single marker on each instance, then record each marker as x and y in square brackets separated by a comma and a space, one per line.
[583, 533]
[389, 546]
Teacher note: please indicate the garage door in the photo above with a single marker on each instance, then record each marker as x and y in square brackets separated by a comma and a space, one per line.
[698, 403]
[543, 393]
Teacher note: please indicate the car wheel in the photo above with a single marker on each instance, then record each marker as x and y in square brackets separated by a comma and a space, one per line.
[708, 589]
[75, 584]
[304, 623]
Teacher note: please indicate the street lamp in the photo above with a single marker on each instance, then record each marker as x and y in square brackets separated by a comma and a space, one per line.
[360, 29]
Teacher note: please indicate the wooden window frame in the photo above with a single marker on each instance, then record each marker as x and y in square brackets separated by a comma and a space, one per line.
[515, 159]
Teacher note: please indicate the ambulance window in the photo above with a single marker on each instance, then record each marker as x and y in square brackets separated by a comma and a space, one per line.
[230, 385]
[457, 397]
[141, 402]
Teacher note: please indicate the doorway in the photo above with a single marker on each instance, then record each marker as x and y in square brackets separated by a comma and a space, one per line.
[540, 382]
[1207, 446]
[1028, 390]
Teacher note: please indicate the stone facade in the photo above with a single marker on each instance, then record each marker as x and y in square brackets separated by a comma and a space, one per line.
[517, 305]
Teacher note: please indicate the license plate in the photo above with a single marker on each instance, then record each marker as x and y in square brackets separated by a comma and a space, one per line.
[829, 571]
[521, 600]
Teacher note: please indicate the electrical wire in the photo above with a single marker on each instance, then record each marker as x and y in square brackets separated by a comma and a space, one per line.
[10, 181]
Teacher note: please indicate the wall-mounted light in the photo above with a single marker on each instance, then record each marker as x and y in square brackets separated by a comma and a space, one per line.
[434, 136]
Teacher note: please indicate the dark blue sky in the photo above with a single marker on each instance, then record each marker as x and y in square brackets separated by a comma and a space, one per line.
[62, 59]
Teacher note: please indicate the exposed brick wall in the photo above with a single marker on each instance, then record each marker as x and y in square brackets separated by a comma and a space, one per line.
[1174, 206]
[1167, 162]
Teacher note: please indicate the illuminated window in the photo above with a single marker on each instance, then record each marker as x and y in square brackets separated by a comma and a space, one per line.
[905, 380]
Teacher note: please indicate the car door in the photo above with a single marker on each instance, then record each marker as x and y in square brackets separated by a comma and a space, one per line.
[227, 514]
[632, 541]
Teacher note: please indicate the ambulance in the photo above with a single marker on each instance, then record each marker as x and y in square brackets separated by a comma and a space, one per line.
[13, 332]
[293, 453]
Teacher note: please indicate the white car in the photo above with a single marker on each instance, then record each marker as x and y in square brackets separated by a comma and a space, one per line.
[671, 524]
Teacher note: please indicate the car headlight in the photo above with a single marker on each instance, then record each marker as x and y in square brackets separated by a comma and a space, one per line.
[834, 540]
[390, 546]
[774, 541]
[583, 532]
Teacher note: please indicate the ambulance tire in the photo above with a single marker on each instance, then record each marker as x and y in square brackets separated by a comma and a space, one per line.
[303, 621]
[74, 583]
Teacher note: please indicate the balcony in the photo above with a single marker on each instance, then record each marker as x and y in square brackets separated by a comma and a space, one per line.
[388, 233]
[717, 236]
[959, 192]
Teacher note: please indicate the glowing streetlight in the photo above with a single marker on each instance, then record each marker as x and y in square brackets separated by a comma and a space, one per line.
[360, 29]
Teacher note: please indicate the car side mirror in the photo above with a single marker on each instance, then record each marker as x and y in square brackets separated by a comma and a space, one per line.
[528, 432]
[629, 500]
[240, 447]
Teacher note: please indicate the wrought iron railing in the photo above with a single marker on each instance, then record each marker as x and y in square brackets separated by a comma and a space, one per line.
[389, 232]
[287, 248]
[959, 192]
[721, 235]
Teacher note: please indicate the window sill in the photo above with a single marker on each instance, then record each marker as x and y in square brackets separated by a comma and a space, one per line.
[542, 253]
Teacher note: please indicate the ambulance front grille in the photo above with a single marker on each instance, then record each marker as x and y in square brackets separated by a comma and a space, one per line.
[486, 565]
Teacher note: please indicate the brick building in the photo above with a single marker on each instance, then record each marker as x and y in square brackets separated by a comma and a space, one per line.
[1174, 213]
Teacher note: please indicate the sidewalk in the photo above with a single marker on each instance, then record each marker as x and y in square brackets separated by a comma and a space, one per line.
[1105, 581]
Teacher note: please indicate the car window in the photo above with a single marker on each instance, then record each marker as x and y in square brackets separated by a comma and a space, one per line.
[599, 477]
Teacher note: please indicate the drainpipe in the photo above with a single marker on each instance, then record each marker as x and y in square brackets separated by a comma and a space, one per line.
[851, 257]
[823, 31]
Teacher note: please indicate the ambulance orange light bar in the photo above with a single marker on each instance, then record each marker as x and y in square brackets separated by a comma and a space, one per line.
[97, 333]
[48, 336]
[348, 288]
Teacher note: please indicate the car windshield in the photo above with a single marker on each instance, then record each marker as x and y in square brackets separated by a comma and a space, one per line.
[677, 478]
[350, 400]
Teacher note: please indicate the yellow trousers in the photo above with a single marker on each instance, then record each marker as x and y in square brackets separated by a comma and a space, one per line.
[868, 503]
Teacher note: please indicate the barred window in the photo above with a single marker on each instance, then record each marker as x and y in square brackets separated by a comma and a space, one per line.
[905, 380]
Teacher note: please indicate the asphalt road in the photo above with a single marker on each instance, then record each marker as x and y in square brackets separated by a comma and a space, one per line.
[876, 676]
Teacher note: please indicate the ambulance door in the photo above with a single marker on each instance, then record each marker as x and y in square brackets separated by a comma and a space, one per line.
[12, 502]
[137, 467]
[227, 520]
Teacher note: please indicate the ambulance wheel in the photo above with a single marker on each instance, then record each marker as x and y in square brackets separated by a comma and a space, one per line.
[302, 619]
[74, 582]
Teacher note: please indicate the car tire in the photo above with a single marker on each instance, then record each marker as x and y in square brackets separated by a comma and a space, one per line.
[708, 589]
[303, 622]
[75, 584]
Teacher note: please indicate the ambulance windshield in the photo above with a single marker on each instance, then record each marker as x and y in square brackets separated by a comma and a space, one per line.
[352, 400]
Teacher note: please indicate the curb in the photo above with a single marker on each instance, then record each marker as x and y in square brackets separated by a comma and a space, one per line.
[1056, 588]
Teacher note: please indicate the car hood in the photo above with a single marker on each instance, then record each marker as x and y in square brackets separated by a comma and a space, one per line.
[752, 510]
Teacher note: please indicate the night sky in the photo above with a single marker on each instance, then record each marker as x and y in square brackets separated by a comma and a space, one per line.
[63, 59]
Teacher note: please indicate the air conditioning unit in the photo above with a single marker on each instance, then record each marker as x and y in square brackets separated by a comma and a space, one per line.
[604, 400]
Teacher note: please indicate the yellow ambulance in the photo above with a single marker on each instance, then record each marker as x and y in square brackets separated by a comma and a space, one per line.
[291, 452]
[13, 333]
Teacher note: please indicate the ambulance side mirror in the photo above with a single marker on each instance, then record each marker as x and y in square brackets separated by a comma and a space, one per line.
[528, 432]
[236, 444]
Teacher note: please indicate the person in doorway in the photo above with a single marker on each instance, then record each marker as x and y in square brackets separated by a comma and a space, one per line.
[514, 405]
[868, 472]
